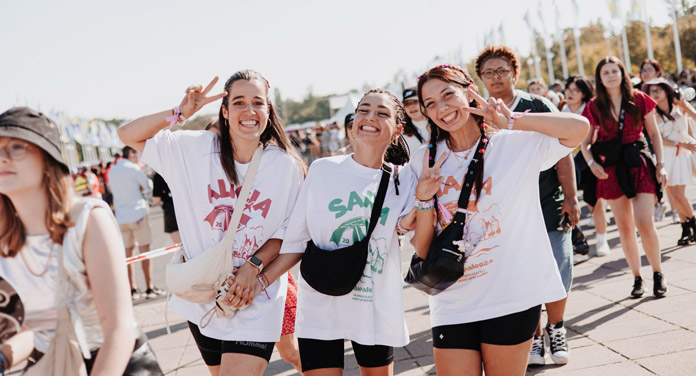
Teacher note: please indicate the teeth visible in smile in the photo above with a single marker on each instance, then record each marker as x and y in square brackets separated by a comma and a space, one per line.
[369, 128]
[249, 123]
[449, 117]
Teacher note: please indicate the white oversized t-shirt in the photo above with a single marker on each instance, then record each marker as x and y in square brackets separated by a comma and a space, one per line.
[510, 266]
[204, 201]
[334, 209]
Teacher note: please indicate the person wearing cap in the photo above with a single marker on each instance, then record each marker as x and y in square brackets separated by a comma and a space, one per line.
[415, 129]
[130, 186]
[43, 220]
[676, 127]
[349, 138]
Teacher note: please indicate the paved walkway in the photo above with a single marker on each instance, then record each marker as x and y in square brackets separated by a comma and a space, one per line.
[609, 333]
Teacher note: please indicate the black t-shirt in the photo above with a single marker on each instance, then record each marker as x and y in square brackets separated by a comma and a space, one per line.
[161, 189]
[550, 191]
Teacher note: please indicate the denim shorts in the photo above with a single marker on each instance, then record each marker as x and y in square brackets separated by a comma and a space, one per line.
[562, 246]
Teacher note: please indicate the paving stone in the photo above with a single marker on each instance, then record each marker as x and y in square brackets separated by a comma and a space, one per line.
[675, 364]
[646, 346]
[618, 369]
[670, 303]
[629, 326]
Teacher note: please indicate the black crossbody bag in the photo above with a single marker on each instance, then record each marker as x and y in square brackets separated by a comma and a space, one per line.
[610, 149]
[337, 272]
[444, 264]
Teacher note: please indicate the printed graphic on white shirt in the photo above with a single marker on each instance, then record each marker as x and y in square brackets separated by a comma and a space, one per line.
[509, 266]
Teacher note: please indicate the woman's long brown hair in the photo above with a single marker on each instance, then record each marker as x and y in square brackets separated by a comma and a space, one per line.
[58, 189]
[604, 104]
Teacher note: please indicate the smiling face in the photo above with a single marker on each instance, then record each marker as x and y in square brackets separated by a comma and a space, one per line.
[611, 76]
[375, 121]
[498, 78]
[246, 110]
[413, 110]
[443, 102]
[23, 171]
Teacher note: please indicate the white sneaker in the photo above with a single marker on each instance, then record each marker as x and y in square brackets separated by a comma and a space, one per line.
[560, 354]
[603, 248]
[659, 212]
[591, 221]
[536, 356]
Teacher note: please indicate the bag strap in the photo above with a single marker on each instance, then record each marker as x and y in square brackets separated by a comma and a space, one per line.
[622, 116]
[379, 202]
[469, 178]
[228, 239]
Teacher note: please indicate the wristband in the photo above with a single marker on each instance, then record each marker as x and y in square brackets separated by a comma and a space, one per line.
[590, 163]
[176, 117]
[425, 205]
[400, 228]
[513, 116]
[263, 281]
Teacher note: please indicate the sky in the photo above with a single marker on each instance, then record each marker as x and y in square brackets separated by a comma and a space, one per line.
[124, 59]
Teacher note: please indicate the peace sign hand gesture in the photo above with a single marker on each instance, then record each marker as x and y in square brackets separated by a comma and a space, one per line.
[197, 97]
[493, 111]
[430, 178]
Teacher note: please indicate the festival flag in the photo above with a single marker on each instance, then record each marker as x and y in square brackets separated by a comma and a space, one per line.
[561, 40]
[547, 42]
[675, 28]
[646, 23]
[576, 35]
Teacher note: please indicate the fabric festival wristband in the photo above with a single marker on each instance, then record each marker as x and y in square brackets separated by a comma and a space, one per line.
[590, 163]
[176, 117]
[515, 115]
[425, 205]
[400, 228]
[263, 285]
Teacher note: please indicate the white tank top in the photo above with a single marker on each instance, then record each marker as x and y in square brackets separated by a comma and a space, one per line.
[38, 294]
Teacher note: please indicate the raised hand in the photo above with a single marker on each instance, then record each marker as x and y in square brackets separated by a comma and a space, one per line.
[493, 111]
[197, 97]
[430, 178]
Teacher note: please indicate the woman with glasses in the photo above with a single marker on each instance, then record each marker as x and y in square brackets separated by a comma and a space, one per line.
[47, 230]
[627, 179]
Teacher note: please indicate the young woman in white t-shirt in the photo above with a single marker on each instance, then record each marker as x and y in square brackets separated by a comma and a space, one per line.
[205, 172]
[333, 210]
[489, 315]
[40, 215]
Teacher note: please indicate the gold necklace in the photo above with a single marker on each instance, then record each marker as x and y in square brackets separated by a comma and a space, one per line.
[464, 158]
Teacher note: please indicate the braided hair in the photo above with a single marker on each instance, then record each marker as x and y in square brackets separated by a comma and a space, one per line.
[457, 76]
[397, 152]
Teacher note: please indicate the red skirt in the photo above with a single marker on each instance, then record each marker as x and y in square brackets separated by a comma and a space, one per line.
[643, 179]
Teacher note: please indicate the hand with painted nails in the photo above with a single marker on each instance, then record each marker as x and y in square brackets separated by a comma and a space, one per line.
[197, 97]
[431, 178]
[493, 111]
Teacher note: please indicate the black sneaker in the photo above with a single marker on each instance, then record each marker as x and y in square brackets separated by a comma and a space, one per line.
[659, 285]
[153, 293]
[136, 294]
[638, 289]
[558, 343]
[536, 356]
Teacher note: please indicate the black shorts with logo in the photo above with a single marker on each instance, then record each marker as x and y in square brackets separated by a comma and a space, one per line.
[211, 349]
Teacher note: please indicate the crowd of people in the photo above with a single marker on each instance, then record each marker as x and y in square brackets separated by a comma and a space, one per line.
[401, 175]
